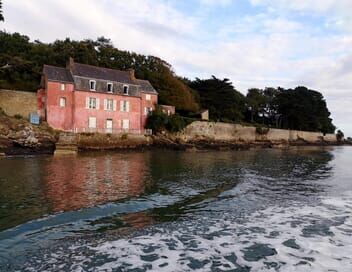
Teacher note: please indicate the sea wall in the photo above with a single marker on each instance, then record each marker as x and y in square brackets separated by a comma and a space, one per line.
[18, 102]
[218, 131]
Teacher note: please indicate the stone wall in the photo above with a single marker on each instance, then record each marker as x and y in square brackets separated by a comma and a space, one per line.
[18, 102]
[234, 132]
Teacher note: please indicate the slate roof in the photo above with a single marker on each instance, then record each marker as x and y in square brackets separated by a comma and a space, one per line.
[94, 72]
[146, 86]
[57, 73]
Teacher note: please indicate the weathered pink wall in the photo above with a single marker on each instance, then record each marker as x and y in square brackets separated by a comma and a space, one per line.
[81, 114]
[75, 115]
[59, 117]
[150, 104]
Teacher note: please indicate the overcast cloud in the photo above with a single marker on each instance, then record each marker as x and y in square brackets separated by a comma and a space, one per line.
[255, 43]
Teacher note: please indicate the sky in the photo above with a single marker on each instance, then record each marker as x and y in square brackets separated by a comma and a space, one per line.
[255, 43]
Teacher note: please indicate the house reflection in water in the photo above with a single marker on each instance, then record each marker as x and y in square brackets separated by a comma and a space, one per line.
[84, 181]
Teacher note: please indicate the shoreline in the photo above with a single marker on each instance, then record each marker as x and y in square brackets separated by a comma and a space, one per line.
[166, 144]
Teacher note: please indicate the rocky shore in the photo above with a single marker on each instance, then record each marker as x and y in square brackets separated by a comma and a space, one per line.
[19, 137]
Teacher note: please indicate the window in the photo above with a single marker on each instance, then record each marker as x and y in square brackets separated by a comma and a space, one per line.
[92, 122]
[125, 106]
[109, 104]
[92, 85]
[147, 110]
[62, 102]
[125, 89]
[148, 97]
[110, 87]
[62, 87]
[92, 103]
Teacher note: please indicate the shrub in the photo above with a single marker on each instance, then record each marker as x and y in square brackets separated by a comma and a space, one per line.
[158, 121]
[18, 116]
[339, 136]
[124, 136]
[261, 130]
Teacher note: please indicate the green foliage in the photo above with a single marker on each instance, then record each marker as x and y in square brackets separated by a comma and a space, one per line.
[23, 60]
[304, 109]
[158, 121]
[124, 136]
[21, 64]
[18, 116]
[339, 135]
[221, 98]
[262, 130]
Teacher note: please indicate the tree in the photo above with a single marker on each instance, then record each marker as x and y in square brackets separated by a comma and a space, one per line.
[304, 109]
[256, 103]
[23, 60]
[224, 102]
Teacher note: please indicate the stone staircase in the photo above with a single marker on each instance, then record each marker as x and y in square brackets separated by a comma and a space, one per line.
[67, 144]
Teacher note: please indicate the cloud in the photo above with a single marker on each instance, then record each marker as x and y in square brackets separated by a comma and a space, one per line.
[274, 43]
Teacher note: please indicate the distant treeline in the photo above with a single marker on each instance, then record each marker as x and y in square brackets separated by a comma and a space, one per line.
[21, 64]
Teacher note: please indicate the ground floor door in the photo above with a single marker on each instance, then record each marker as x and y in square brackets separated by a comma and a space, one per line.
[108, 126]
[125, 124]
[92, 123]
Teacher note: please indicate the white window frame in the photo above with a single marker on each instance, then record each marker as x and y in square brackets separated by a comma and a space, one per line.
[62, 102]
[94, 84]
[126, 87]
[148, 97]
[89, 122]
[125, 106]
[109, 104]
[112, 87]
[92, 103]
[62, 86]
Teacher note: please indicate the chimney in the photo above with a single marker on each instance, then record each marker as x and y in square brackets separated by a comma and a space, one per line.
[70, 63]
[132, 75]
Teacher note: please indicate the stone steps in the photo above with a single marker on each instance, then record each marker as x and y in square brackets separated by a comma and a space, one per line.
[67, 144]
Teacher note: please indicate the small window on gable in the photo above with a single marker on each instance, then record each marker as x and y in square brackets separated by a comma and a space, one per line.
[110, 87]
[62, 87]
[92, 85]
[125, 89]
[148, 97]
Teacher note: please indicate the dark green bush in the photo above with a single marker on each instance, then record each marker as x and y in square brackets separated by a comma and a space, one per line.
[158, 121]
[261, 130]
[339, 136]
[18, 116]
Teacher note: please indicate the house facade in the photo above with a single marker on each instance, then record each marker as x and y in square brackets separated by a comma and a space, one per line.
[85, 98]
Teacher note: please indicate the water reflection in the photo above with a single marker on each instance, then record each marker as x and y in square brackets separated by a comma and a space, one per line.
[73, 183]
[31, 188]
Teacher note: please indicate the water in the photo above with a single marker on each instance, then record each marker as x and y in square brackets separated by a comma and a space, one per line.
[258, 210]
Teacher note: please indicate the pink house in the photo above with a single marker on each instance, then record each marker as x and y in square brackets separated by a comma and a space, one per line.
[85, 98]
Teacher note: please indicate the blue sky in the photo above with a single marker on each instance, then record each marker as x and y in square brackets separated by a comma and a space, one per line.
[255, 43]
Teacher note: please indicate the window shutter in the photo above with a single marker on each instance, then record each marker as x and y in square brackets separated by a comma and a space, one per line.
[121, 105]
[87, 102]
[114, 105]
[105, 104]
[97, 103]
[127, 106]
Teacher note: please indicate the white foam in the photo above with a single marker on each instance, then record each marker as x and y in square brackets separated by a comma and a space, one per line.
[318, 251]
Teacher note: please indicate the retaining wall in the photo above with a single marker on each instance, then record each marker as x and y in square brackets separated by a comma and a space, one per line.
[18, 102]
[234, 132]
